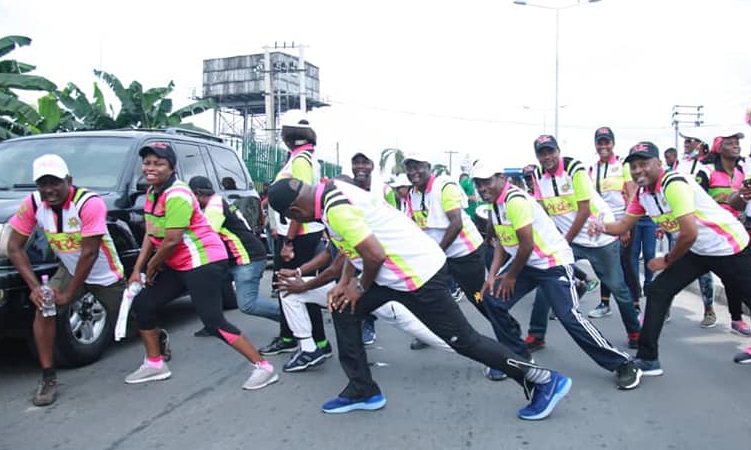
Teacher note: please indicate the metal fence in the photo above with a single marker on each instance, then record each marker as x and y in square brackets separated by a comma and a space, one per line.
[264, 161]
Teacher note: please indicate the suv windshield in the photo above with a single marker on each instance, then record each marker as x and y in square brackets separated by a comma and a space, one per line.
[94, 162]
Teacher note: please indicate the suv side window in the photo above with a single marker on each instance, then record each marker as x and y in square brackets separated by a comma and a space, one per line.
[229, 169]
[189, 161]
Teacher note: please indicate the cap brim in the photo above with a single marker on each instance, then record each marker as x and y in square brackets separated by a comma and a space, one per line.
[361, 154]
[546, 145]
[634, 156]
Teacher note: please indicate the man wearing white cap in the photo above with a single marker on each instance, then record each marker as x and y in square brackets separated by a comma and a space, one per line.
[74, 220]
[542, 260]
[300, 240]
[437, 205]
[401, 187]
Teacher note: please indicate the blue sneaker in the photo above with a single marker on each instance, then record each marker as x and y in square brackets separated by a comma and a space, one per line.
[649, 367]
[341, 405]
[303, 360]
[493, 374]
[368, 331]
[545, 397]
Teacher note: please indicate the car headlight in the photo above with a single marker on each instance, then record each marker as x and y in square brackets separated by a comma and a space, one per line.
[5, 231]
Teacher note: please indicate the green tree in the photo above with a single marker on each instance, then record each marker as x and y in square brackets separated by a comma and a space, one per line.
[440, 169]
[146, 109]
[386, 155]
[18, 118]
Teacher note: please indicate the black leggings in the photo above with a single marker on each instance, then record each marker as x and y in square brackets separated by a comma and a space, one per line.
[305, 247]
[434, 307]
[203, 284]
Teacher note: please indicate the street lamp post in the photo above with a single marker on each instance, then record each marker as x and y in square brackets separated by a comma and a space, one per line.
[557, 58]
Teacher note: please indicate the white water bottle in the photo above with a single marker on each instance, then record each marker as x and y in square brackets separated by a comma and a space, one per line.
[48, 298]
[134, 289]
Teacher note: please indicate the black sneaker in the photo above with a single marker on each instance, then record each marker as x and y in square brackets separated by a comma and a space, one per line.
[46, 392]
[327, 350]
[203, 332]
[581, 288]
[277, 345]
[628, 376]
[164, 347]
[417, 344]
[534, 343]
[303, 360]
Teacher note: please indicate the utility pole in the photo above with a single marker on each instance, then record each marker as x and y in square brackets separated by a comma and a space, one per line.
[451, 153]
[687, 114]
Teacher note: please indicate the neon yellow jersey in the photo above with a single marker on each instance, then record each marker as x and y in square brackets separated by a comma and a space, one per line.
[514, 209]
[560, 193]
[351, 214]
[428, 209]
[675, 195]
[302, 165]
[610, 179]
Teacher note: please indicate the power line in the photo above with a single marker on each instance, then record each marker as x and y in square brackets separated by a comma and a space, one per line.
[485, 120]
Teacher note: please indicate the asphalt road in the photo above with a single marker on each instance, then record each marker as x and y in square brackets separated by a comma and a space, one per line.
[436, 400]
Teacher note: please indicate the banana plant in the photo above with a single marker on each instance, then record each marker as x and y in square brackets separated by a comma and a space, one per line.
[18, 118]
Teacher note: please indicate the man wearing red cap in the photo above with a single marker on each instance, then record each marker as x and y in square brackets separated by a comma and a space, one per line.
[709, 239]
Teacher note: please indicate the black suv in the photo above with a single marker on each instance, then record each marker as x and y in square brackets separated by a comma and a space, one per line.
[107, 163]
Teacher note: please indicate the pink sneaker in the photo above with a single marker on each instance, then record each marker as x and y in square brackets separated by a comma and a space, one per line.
[740, 327]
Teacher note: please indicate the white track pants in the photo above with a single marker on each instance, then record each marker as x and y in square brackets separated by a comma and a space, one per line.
[393, 313]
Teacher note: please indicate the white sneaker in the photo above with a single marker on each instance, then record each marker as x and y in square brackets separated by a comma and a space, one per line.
[260, 378]
[147, 373]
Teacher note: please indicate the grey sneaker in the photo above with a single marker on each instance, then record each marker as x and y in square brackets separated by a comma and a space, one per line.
[260, 378]
[602, 310]
[46, 392]
[147, 373]
[709, 320]
[649, 367]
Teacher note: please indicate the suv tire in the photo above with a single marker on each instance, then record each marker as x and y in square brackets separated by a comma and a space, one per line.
[84, 331]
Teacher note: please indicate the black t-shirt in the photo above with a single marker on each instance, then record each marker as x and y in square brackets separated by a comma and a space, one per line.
[236, 223]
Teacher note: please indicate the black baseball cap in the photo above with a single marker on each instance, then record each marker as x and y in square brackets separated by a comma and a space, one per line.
[643, 150]
[162, 150]
[283, 193]
[545, 141]
[361, 154]
[201, 185]
[604, 133]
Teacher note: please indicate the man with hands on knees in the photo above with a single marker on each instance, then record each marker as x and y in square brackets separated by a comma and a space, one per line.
[74, 221]
[709, 239]
[542, 259]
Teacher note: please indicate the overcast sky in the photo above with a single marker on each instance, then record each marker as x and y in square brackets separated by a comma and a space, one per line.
[430, 76]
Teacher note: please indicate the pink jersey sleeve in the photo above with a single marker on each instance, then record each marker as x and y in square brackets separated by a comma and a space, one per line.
[635, 208]
[93, 217]
[537, 193]
[24, 220]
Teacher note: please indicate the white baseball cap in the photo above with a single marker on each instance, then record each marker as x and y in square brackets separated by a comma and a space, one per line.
[49, 164]
[692, 134]
[483, 170]
[400, 181]
[295, 118]
[416, 157]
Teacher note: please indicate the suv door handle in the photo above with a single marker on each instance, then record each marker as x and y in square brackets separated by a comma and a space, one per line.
[233, 196]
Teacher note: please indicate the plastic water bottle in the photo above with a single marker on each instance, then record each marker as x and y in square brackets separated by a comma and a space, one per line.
[48, 298]
[134, 289]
